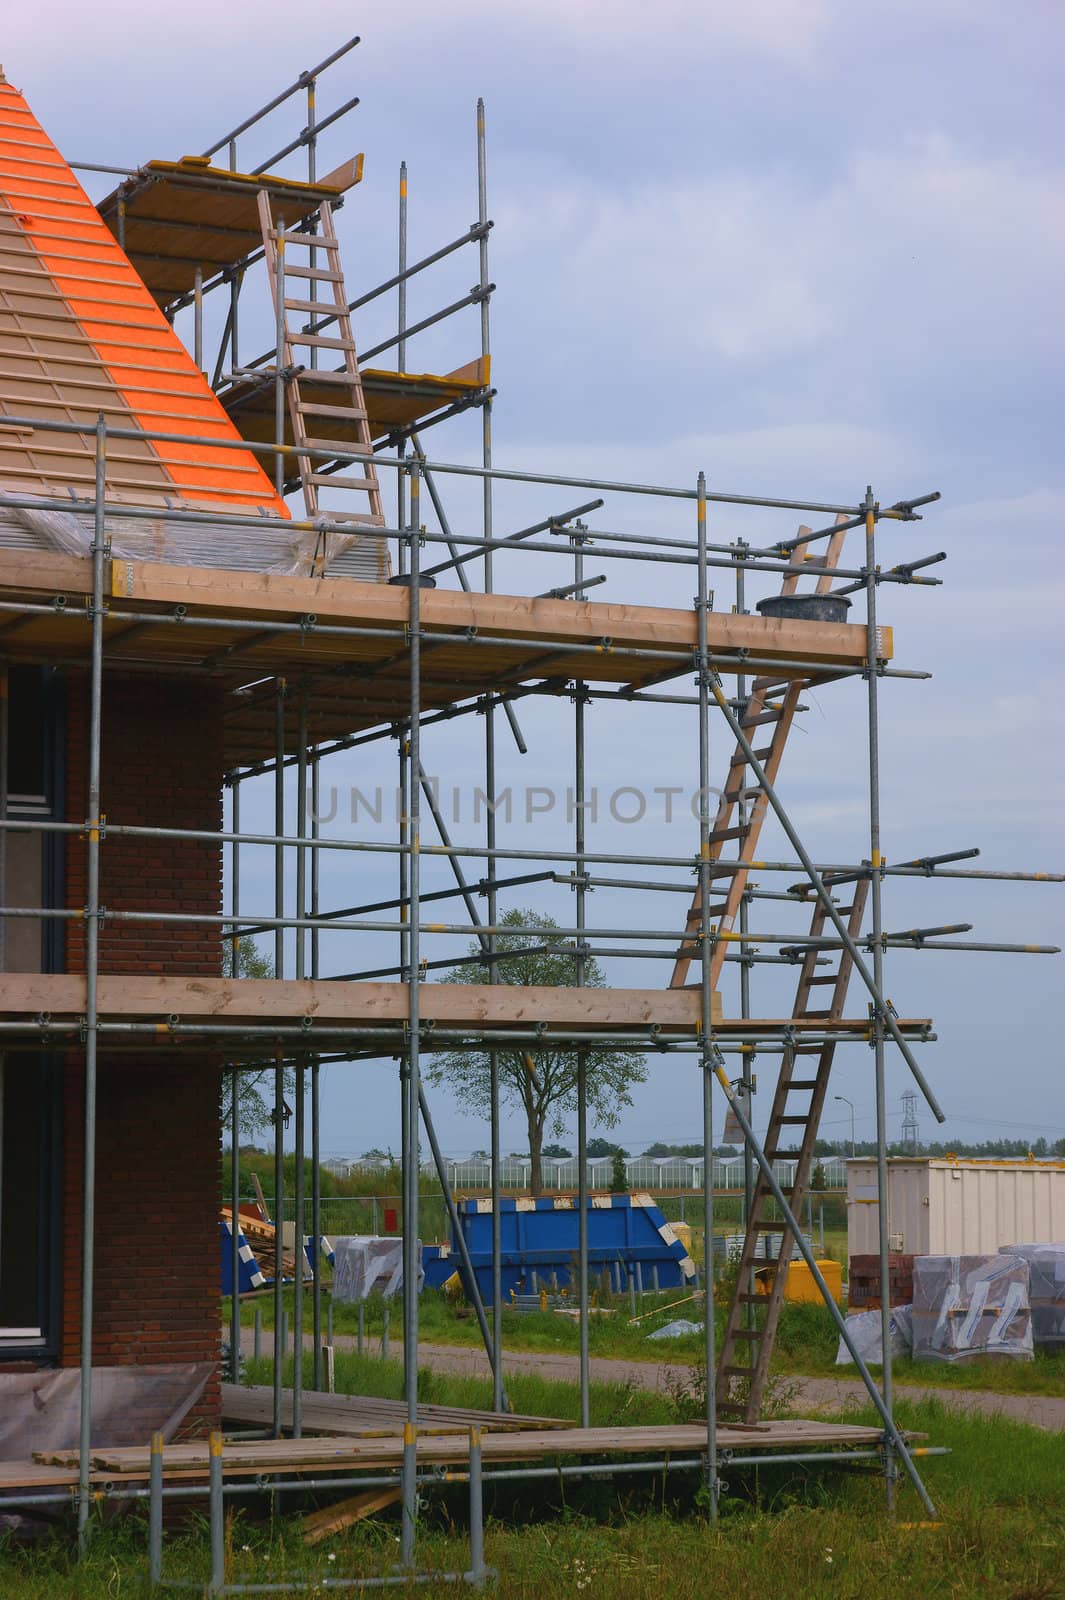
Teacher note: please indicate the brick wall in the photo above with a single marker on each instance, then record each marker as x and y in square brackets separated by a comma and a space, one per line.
[159, 1133]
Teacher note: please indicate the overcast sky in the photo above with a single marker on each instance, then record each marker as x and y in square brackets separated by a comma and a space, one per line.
[802, 245]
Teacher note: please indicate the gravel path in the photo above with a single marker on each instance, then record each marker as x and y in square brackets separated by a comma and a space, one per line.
[812, 1394]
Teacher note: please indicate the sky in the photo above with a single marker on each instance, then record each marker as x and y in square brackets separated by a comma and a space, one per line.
[801, 245]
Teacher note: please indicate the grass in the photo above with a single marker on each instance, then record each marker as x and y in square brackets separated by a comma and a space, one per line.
[789, 1533]
[806, 1342]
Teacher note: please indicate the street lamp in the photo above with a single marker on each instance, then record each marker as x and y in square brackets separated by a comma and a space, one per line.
[850, 1103]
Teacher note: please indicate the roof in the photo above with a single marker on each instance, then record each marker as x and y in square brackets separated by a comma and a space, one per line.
[80, 334]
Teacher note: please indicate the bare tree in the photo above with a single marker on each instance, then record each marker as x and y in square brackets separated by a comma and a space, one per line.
[542, 1081]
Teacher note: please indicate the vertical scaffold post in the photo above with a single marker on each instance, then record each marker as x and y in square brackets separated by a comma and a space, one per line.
[316, 1107]
[747, 1056]
[279, 1184]
[495, 1131]
[706, 1027]
[217, 1518]
[299, 1187]
[94, 823]
[478, 1572]
[876, 863]
[580, 699]
[411, 1172]
[401, 346]
[155, 1511]
[234, 1124]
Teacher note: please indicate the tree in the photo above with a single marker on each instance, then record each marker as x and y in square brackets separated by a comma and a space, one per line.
[605, 1147]
[619, 1178]
[542, 1081]
[256, 1087]
[557, 1152]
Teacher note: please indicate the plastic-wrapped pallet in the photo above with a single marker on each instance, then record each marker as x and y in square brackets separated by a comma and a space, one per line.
[965, 1307]
[864, 1329]
[1046, 1266]
[365, 1264]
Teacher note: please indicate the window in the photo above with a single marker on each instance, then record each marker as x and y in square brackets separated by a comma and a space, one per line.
[30, 875]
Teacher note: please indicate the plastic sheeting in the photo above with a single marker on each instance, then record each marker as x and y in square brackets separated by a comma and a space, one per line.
[358, 554]
[864, 1329]
[365, 1264]
[1046, 1288]
[676, 1330]
[970, 1306]
[41, 1410]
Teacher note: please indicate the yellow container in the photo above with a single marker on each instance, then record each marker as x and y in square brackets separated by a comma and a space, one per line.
[800, 1283]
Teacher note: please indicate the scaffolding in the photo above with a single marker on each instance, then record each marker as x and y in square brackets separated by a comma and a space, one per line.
[320, 665]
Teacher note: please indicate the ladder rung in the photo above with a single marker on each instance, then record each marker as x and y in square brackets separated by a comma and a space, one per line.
[763, 716]
[342, 445]
[733, 795]
[318, 375]
[817, 1016]
[323, 307]
[731, 1408]
[749, 1333]
[314, 241]
[751, 1299]
[358, 519]
[336, 480]
[793, 1122]
[319, 274]
[828, 977]
[800, 1083]
[307, 408]
[322, 342]
[768, 1227]
[719, 835]
[736, 1372]
[763, 755]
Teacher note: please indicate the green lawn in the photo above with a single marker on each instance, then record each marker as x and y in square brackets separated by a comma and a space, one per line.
[795, 1533]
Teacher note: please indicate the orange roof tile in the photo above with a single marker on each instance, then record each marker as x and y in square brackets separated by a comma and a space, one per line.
[82, 333]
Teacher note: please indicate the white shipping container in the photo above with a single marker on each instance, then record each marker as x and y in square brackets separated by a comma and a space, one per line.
[959, 1207]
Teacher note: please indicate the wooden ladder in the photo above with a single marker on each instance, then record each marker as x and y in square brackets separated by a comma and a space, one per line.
[771, 705]
[346, 381]
[792, 1134]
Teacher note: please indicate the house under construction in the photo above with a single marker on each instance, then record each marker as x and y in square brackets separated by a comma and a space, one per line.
[216, 569]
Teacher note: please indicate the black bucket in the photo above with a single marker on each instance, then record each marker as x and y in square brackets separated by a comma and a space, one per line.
[806, 607]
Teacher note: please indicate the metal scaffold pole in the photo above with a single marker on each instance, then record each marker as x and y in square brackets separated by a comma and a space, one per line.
[411, 1173]
[234, 1123]
[877, 1008]
[702, 606]
[498, 1396]
[579, 975]
[94, 835]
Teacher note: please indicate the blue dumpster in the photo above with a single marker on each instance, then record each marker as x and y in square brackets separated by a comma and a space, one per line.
[539, 1244]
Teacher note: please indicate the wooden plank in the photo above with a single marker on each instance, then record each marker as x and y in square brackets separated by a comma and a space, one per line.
[349, 1004]
[353, 1414]
[216, 592]
[320, 1524]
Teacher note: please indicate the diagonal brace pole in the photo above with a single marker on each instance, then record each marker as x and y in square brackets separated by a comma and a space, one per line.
[825, 896]
[891, 1429]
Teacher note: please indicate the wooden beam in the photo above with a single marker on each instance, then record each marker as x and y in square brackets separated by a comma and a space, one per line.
[334, 1519]
[613, 627]
[135, 997]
